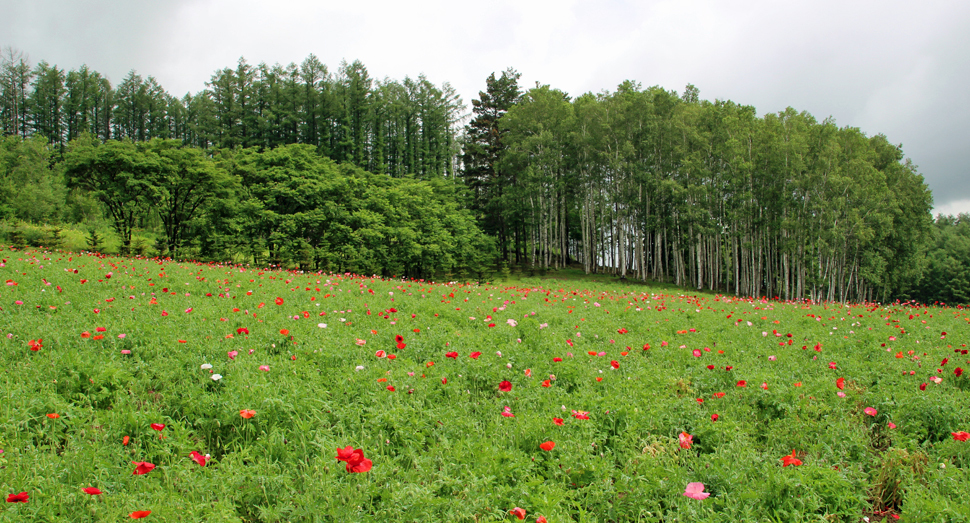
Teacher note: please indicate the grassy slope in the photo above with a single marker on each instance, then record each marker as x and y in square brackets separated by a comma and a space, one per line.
[443, 451]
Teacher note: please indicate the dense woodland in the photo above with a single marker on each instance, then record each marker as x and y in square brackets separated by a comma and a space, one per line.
[335, 170]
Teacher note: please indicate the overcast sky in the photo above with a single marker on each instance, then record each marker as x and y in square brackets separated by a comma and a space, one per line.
[900, 68]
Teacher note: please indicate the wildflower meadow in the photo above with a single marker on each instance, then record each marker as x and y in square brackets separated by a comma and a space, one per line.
[153, 389]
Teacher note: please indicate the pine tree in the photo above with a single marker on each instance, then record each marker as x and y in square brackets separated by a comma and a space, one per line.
[483, 150]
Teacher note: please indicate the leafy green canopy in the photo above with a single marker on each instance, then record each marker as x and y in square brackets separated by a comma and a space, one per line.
[300, 207]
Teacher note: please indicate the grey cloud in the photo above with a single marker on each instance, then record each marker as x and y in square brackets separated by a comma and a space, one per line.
[894, 67]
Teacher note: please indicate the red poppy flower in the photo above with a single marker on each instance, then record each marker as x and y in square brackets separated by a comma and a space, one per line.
[142, 467]
[53, 415]
[91, 490]
[380, 354]
[742, 383]
[158, 426]
[790, 460]
[245, 413]
[579, 414]
[360, 466]
[138, 514]
[242, 330]
[356, 462]
[398, 338]
[452, 355]
[391, 388]
[85, 334]
[444, 381]
[35, 345]
[18, 498]
[279, 301]
[961, 436]
[198, 458]
[124, 440]
[518, 512]
[98, 337]
[475, 355]
[349, 454]
[557, 359]
[832, 365]
[546, 383]
[840, 383]
[285, 332]
[505, 386]
[718, 395]
[558, 421]
[958, 371]
[615, 364]
[401, 346]
[922, 386]
[714, 417]
[547, 446]
[710, 367]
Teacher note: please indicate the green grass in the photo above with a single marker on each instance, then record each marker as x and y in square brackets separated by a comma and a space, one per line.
[444, 451]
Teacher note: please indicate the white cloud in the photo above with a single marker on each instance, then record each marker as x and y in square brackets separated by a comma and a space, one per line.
[953, 208]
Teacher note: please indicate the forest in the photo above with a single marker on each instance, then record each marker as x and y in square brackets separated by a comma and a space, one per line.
[318, 169]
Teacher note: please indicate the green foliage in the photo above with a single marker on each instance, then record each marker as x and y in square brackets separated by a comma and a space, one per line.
[94, 241]
[29, 189]
[119, 175]
[946, 273]
[704, 194]
[304, 209]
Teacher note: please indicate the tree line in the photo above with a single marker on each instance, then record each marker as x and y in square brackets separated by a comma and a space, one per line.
[649, 184]
[339, 171]
[383, 126]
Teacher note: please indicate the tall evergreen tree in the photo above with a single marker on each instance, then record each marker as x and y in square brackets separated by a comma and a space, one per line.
[45, 103]
[483, 149]
[16, 75]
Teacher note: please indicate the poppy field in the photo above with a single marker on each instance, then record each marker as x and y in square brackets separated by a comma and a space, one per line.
[173, 391]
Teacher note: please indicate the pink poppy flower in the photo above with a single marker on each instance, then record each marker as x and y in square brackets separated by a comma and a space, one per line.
[685, 440]
[696, 491]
